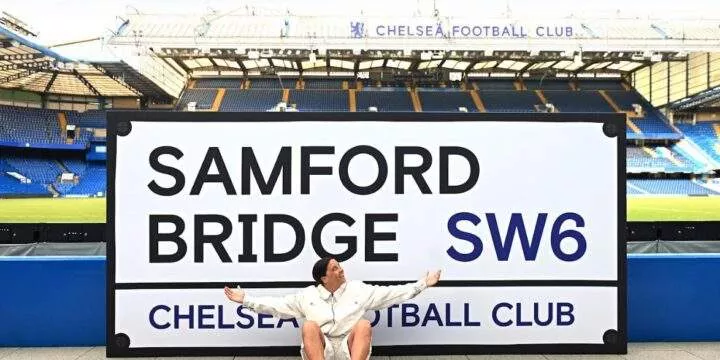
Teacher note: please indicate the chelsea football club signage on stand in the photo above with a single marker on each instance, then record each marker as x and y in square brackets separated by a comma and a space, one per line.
[428, 29]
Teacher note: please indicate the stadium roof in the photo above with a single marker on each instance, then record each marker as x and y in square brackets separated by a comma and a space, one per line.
[230, 44]
[25, 65]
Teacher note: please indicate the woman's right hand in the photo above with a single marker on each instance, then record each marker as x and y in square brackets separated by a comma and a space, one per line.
[236, 295]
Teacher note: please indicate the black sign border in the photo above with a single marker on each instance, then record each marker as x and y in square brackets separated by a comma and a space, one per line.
[615, 340]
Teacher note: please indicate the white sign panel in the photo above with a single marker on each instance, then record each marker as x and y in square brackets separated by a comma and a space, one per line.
[520, 211]
[524, 211]
[492, 316]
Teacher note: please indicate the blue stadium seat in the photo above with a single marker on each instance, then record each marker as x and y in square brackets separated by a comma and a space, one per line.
[588, 84]
[319, 100]
[494, 84]
[327, 84]
[203, 97]
[250, 100]
[577, 101]
[705, 136]
[509, 101]
[218, 83]
[89, 119]
[29, 125]
[384, 100]
[446, 101]
[668, 187]
[547, 84]
[652, 124]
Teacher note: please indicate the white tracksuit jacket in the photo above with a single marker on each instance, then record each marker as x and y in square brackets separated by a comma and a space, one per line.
[337, 313]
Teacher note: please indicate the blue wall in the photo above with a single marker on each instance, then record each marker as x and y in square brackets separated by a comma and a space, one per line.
[52, 301]
[60, 301]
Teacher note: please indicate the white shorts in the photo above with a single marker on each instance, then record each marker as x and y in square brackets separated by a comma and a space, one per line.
[336, 348]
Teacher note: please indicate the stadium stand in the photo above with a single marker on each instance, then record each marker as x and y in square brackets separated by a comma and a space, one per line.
[446, 101]
[29, 125]
[509, 101]
[651, 122]
[397, 100]
[250, 100]
[577, 101]
[319, 100]
[324, 83]
[546, 85]
[668, 187]
[706, 135]
[96, 119]
[218, 83]
[203, 97]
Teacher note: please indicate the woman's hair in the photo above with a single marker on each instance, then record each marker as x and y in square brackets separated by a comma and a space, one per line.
[320, 269]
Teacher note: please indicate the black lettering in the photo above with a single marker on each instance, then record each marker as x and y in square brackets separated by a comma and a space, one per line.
[415, 171]
[345, 175]
[213, 156]
[371, 237]
[156, 238]
[270, 220]
[247, 253]
[351, 241]
[445, 152]
[167, 170]
[216, 240]
[306, 170]
[283, 164]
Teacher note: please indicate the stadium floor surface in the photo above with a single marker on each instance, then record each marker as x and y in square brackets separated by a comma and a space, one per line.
[67, 210]
[644, 351]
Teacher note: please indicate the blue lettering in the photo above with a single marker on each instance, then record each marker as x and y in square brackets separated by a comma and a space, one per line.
[152, 316]
[202, 316]
[506, 31]
[376, 319]
[432, 314]
[518, 316]
[189, 316]
[539, 31]
[502, 248]
[557, 236]
[293, 321]
[222, 325]
[465, 31]
[476, 30]
[250, 319]
[448, 317]
[261, 324]
[401, 31]
[406, 313]
[439, 30]
[455, 30]
[472, 239]
[495, 314]
[549, 316]
[391, 29]
[377, 30]
[467, 321]
[496, 31]
[565, 309]
[390, 309]
[428, 30]
[569, 31]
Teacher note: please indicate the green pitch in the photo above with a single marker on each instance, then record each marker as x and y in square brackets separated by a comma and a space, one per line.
[52, 210]
[93, 210]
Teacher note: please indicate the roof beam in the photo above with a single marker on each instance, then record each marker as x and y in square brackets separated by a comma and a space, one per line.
[87, 83]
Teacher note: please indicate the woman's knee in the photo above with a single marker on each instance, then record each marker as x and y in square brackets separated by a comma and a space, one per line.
[363, 327]
[310, 328]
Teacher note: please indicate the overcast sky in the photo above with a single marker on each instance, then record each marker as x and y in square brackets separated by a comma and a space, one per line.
[59, 21]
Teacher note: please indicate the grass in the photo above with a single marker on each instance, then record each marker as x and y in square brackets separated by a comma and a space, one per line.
[52, 210]
[93, 210]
